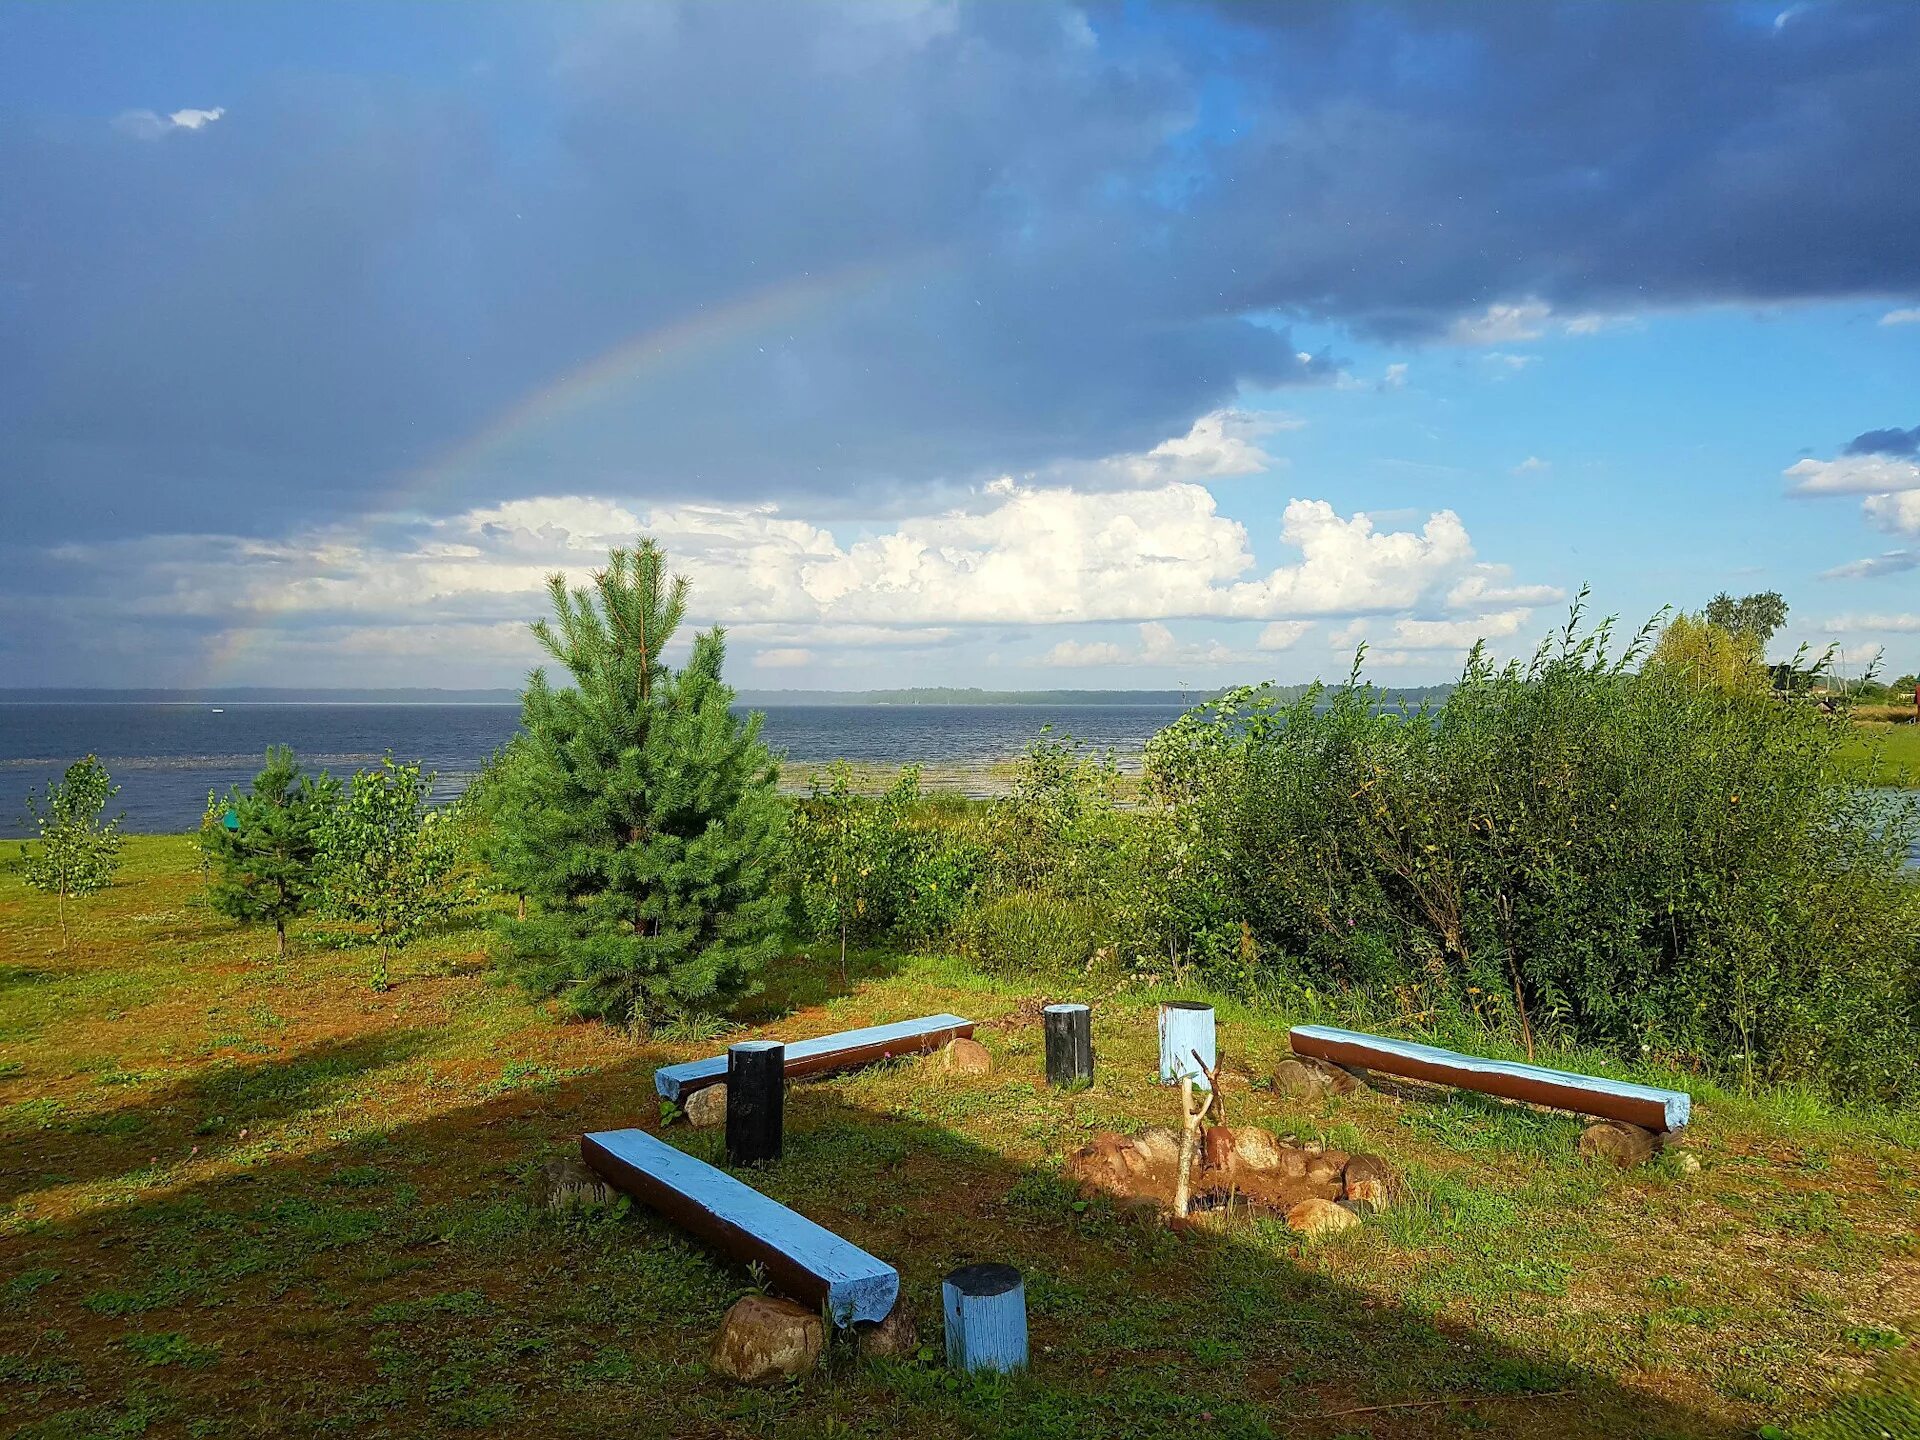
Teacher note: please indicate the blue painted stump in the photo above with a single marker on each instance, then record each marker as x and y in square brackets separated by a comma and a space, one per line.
[986, 1310]
[1186, 1026]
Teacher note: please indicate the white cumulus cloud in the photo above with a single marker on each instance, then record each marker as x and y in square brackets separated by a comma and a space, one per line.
[151, 125]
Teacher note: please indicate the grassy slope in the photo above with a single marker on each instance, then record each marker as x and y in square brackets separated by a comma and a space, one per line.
[1885, 754]
[248, 1197]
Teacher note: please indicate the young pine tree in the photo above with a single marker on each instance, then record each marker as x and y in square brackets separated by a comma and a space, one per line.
[643, 822]
[75, 851]
[266, 859]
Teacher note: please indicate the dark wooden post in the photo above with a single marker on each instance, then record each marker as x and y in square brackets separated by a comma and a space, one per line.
[1069, 1045]
[986, 1313]
[756, 1100]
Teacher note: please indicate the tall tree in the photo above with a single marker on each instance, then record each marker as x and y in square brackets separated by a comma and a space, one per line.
[1759, 615]
[265, 845]
[76, 849]
[651, 852]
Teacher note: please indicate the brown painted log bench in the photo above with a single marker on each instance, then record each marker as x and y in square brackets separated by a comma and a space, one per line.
[823, 1054]
[1647, 1106]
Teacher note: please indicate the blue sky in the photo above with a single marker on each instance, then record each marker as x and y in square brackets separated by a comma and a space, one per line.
[1024, 346]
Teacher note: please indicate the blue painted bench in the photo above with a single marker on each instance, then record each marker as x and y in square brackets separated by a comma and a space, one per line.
[1647, 1106]
[824, 1053]
[807, 1261]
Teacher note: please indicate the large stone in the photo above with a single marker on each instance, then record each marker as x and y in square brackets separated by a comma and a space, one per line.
[966, 1057]
[1255, 1150]
[572, 1185]
[1293, 1080]
[892, 1338]
[1336, 1079]
[1157, 1145]
[764, 1339]
[707, 1107]
[1369, 1182]
[1618, 1143]
[1314, 1218]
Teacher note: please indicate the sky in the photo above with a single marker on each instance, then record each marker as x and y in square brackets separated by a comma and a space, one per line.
[1022, 345]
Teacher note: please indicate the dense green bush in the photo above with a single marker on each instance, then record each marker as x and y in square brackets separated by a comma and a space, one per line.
[1632, 857]
[863, 867]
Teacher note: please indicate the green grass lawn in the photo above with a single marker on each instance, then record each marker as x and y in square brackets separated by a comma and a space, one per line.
[246, 1197]
[1885, 754]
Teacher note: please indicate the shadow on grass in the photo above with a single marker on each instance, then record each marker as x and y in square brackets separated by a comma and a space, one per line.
[211, 1110]
[411, 1280]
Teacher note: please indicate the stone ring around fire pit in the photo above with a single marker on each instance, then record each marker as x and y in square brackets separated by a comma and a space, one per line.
[1318, 1190]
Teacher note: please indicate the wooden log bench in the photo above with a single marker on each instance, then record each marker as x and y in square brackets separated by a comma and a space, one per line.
[824, 1054]
[810, 1263]
[1644, 1105]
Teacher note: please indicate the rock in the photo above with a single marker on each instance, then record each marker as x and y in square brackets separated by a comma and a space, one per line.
[1255, 1149]
[1335, 1079]
[1324, 1170]
[1216, 1148]
[1618, 1143]
[707, 1107]
[572, 1185]
[1294, 1081]
[966, 1057]
[764, 1339]
[1293, 1162]
[1686, 1162]
[1371, 1194]
[1368, 1178]
[893, 1337]
[1320, 1217]
[1157, 1145]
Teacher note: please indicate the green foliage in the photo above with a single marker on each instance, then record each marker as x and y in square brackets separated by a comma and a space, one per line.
[1754, 617]
[1692, 647]
[389, 865]
[75, 850]
[1637, 859]
[864, 867]
[640, 818]
[267, 860]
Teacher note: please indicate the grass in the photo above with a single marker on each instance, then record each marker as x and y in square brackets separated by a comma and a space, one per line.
[241, 1195]
[1884, 754]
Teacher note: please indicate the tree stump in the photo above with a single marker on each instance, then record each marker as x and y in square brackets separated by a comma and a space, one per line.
[1186, 1027]
[756, 1101]
[1069, 1031]
[986, 1314]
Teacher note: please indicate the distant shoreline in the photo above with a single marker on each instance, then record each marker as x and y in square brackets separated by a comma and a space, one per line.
[751, 699]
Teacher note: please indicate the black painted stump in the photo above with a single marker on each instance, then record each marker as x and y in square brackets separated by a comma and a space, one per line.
[1069, 1030]
[756, 1100]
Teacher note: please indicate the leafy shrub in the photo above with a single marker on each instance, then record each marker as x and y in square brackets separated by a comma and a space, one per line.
[388, 865]
[863, 867]
[1024, 932]
[75, 850]
[1632, 857]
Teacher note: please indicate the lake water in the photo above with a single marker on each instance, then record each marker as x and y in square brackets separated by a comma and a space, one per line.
[166, 757]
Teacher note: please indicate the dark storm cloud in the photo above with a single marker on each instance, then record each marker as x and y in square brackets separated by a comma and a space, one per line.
[988, 236]
[1885, 442]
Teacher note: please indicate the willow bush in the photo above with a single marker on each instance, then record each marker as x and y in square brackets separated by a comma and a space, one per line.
[1628, 856]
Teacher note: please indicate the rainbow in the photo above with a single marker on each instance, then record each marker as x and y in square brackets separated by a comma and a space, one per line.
[606, 379]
